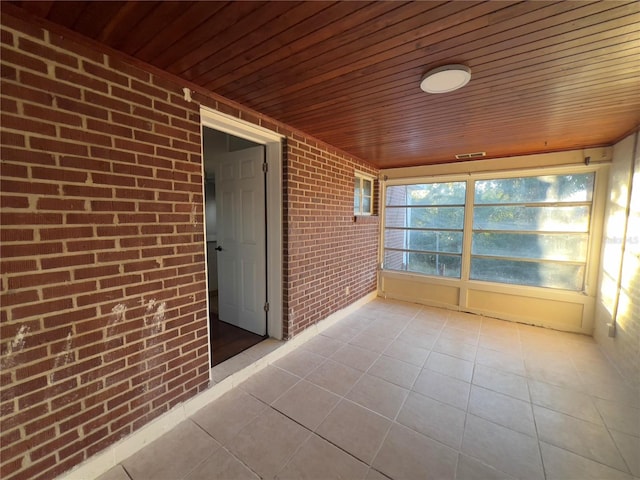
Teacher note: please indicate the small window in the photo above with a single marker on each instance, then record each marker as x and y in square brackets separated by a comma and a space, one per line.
[363, 194]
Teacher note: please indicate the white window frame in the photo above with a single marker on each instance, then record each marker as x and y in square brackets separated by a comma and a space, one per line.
[539, 261]
[409, 209]
[363, 177]
[413, 283]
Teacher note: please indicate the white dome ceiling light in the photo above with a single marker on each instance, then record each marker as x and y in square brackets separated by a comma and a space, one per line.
[446, 79]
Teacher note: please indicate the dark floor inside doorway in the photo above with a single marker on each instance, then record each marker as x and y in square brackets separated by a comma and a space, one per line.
[228, 340]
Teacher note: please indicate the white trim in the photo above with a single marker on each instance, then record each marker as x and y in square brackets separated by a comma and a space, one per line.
[204, 235]
[115, 454]
[467, 239]
[371, 179]
[492, 166]
[273, 151]
[235, 126]
[497, 174]
[360, 173]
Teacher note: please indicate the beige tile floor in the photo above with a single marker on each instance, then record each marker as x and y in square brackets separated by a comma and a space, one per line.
[400, 391]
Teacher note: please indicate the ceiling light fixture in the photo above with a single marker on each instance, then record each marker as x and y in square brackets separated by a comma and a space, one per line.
[446, 79]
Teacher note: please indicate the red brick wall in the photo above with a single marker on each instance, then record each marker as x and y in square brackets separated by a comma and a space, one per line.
[328, 251]
[103, 322]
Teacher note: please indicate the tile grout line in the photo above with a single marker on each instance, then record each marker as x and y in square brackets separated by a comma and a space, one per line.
[592, 398]
[466, 412]
[533, 415]
[530, 402]
[386, 434]
[393, 421]
[343, 397]
[126, 472]
[220, 445]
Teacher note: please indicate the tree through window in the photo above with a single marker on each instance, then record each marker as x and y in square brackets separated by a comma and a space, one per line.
[530, 230]
[423, 228]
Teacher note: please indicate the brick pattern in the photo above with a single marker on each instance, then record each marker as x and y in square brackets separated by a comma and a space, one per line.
[104, 323]
[102, 277]
[331, 256]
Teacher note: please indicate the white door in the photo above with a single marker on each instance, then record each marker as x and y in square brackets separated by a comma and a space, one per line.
[241, 251]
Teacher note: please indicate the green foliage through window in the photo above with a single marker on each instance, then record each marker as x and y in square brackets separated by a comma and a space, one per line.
[423, 228]
[530, 230]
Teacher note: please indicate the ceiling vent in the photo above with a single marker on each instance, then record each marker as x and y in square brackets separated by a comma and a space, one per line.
[468, 156]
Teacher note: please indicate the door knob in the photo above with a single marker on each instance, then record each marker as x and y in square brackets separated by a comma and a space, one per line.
[219, 249]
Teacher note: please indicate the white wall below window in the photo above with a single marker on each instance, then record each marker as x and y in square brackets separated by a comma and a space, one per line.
[561, 310]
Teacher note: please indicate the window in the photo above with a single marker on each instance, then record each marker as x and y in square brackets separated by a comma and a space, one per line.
[363, 194]
[531, 230]
[423, 228]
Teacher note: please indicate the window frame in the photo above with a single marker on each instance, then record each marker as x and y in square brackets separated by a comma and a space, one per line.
[407, 250]
[465, 282]
[550, 233]
[363, 177]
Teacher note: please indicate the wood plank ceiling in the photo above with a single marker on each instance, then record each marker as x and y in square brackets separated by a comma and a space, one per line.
[546, 76]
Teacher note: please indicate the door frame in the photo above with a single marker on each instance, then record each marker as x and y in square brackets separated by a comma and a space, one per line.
[272, 142]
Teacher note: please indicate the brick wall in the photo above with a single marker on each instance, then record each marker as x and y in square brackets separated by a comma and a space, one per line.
[330, 255]
[103, 321]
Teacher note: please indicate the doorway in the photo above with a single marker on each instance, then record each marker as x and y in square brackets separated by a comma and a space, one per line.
[235, 212]
[272, 144]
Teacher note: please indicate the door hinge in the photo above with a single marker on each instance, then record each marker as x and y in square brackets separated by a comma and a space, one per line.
[266, 306]
[265, 167]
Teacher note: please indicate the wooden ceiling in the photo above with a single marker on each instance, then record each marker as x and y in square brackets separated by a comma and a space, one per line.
[546, 76]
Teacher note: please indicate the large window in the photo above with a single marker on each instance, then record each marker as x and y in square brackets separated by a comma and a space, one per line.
[423, 228]
[532, 230]
[525, 231]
